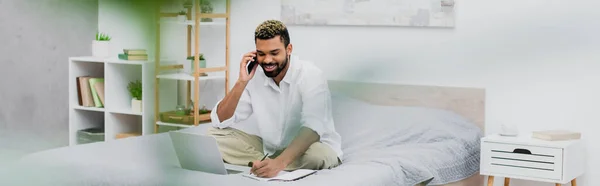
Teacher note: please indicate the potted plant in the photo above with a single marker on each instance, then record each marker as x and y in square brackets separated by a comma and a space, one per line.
[135, 90]
[201, 61]
[205, 8]
[101, 45]
[182, 16]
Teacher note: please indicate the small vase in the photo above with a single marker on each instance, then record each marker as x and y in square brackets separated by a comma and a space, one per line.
[100, 49]
[136, 105]
[202, 65]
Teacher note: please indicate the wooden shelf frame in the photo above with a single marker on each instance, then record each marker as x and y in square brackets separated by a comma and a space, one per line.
[197, 71]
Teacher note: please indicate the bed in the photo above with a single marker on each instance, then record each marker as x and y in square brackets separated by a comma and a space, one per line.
[392, 135]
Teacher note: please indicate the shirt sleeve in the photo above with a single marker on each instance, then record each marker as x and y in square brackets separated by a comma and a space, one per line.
[316, 105]
[242, 112]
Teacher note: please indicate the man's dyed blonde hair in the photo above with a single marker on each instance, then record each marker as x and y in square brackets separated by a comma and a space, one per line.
[271, 28]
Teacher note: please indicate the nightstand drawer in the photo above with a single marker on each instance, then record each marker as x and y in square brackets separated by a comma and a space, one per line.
[522, 160]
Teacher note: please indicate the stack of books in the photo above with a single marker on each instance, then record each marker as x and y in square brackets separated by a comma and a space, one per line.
[134, 54]
[556, 135]
[90, 91]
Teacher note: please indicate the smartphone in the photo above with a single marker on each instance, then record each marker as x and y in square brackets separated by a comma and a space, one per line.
[251, 64]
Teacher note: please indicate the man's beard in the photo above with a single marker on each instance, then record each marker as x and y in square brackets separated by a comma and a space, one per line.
[277, 70]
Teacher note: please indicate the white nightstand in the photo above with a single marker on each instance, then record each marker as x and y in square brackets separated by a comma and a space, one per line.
[524, 157]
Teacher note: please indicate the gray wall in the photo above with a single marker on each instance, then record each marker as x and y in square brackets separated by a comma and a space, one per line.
[36, 39]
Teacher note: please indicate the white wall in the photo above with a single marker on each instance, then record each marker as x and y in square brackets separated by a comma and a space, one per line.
[37, 37]
[130, 24]
[538, 59]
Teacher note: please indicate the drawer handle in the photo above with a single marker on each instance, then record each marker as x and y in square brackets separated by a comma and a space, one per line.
[522, 151]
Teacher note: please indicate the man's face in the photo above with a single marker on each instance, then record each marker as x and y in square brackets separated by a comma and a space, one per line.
[272, 55]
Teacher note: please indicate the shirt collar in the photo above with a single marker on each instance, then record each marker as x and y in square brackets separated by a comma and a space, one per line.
[289, 75]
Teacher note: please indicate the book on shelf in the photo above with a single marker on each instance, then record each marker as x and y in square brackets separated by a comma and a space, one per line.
[138, 57]
[556, 135]
[100, 91]
[90, 91]
[79, 97]
[85, 93]
[93, 82]
[134, 52]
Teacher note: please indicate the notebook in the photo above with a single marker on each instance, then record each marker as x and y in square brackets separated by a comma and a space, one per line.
[285, 176]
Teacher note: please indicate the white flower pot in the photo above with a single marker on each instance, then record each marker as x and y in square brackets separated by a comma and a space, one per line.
[101, 49]
[202, 64]
[136, 105]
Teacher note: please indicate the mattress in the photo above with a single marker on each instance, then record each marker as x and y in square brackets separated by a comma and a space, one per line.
[383, 145]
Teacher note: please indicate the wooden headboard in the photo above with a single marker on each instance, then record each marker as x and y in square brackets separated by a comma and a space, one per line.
[468, 102]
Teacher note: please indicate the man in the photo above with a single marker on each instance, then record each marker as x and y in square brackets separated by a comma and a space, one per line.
[290, 100]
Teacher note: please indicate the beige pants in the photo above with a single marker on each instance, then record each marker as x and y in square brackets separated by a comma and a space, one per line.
[240, 148]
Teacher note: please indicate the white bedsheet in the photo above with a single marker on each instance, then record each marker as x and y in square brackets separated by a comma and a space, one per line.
[382, 145]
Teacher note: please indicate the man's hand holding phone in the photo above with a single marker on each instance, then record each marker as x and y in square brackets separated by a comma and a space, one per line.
[248, 66]
[227, 106]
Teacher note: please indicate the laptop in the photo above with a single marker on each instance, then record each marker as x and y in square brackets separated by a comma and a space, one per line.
[201, 153]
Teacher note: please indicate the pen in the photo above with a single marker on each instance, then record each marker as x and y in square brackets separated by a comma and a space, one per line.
[250, 164]
[265, 157]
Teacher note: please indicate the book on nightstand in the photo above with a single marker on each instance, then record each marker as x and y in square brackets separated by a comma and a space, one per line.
[556, 135]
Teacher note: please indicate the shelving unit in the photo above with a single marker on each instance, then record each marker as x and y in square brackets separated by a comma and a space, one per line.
[169, 75]
[116, 116]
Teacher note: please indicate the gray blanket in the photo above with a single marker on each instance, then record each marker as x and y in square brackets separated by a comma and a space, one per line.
[383, 145]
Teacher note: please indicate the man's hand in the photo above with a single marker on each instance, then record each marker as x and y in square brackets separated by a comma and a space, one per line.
[267, 168]
[228, 106]
[244, 76]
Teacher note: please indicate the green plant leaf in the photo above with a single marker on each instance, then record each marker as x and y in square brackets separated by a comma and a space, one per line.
[199, 58]
[100, 36]
[135, 89]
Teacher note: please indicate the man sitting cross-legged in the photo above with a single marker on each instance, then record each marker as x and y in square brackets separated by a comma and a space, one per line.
[291, 102]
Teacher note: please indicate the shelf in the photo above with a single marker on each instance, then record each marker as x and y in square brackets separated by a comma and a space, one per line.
[107, 60]
[87, 59]
[178, 72]
[80, 120]
[123, 123]
[186, 76]
[127, 62]
[116, 116]
[212, 69]
[200, 15]
[192, 22]
[96, 109]
[201, 70]
[174, 124]
[213, 15]
[125, 111]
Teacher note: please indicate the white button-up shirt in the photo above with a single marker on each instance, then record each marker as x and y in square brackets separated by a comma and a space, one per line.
[301, 99]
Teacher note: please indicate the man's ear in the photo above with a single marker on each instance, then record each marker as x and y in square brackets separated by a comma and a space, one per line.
[289, 49]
